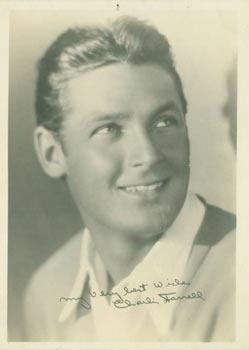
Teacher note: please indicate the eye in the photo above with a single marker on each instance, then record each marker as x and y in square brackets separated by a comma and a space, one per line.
[111, 129]
[166, 122]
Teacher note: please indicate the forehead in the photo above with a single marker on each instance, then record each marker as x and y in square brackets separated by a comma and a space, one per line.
[121, 88]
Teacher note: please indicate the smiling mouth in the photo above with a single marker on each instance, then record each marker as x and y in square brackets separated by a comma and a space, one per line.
[155, 186]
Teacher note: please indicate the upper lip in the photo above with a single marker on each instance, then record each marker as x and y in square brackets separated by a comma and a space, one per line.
[144, 183]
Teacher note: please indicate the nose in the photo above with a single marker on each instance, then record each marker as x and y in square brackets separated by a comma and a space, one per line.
[143, 150]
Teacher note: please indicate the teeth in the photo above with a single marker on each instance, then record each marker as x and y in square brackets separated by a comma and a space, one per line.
[143, 188]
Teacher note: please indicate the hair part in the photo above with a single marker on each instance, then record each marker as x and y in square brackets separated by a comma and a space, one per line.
[86, 48]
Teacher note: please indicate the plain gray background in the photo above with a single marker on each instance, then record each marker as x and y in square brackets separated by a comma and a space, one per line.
[42, 215]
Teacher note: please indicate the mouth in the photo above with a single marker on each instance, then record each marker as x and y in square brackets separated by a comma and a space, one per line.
[145, 188]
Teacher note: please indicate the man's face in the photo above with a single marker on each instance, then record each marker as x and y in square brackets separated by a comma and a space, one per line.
[127, 150]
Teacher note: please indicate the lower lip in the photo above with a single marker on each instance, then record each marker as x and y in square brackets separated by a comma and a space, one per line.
[147, 194]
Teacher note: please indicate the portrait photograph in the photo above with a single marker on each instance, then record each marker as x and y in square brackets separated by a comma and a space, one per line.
[122, 144]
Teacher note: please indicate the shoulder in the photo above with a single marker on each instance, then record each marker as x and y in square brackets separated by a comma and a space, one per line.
[211, 270]
[218, 227]
[212, 260]
[51, 281]
[216, 241]
[61, 265]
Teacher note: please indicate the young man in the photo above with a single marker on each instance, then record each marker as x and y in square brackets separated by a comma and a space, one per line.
[151, 263]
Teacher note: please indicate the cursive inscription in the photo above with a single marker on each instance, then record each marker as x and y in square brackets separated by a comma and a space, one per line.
[82, 301]
[153, 293]
[142, 288]
[168, 297]
[124, 303]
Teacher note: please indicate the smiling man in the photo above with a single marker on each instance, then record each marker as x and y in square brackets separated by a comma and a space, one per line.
[151, 262]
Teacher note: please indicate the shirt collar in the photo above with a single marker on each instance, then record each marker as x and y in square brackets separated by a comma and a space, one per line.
[166, 260]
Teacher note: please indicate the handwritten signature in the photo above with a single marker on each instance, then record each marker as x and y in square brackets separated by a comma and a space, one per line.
[123, 300]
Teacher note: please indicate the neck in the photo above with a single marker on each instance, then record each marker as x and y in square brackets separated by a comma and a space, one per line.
[120, 253]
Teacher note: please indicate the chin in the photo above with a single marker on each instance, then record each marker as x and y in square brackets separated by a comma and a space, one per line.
[149, 225]
[153, 221]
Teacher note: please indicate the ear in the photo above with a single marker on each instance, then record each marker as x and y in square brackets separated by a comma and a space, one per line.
[49, 152]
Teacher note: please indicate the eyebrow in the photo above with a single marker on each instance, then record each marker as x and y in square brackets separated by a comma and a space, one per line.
[107, 117]
[169, 105]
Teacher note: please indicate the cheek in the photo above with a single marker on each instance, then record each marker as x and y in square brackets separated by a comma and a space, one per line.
[176, 150]
[182, 156]
[94, 166]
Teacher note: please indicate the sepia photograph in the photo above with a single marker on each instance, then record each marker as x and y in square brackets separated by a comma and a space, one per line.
[122, 172]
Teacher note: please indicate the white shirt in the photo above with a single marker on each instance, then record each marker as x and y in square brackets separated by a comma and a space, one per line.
[165, 263]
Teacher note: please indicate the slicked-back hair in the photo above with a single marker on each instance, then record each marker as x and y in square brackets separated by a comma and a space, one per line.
[82, 49]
